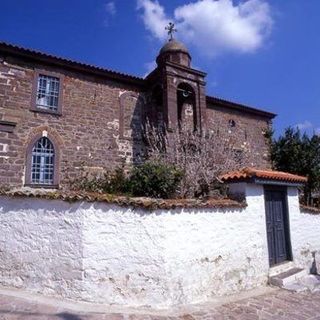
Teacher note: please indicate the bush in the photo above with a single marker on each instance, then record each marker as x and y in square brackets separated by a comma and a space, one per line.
[154, 179]
[150, 179]
[202, 155]
[114, 182]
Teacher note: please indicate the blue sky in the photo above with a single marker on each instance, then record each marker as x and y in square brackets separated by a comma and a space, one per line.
[264, 53]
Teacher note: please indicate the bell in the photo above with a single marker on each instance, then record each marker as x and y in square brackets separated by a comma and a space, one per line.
[185, 93]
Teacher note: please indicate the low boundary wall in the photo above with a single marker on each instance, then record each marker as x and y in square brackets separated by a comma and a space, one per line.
[105, 253]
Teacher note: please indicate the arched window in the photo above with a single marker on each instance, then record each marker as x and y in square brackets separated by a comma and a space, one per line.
[42, 162]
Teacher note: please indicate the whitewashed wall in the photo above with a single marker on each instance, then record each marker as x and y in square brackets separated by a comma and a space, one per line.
[41, 246]
[305, 233]
[216, 252]
[107, 254]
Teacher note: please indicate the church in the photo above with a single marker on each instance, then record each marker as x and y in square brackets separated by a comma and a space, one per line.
[58, 116]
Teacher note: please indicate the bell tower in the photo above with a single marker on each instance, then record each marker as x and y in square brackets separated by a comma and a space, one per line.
[181, 87]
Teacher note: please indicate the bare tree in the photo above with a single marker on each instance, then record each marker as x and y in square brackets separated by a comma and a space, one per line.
[202, 157]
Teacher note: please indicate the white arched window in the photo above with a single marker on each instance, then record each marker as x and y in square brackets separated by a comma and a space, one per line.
[42, 162]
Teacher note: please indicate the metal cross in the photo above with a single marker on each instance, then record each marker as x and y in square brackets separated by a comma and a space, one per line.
[171, 30]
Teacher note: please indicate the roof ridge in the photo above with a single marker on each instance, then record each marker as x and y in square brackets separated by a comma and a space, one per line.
[241, 106]
[86, 67]
[8, 46]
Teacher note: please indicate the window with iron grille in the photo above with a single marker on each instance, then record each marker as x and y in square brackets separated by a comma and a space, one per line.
[48, 92]
[42, 163]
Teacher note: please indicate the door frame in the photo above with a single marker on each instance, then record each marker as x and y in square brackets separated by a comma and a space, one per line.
[286, 221]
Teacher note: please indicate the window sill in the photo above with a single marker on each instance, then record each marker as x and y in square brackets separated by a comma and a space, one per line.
[42, 186]
[39, 110]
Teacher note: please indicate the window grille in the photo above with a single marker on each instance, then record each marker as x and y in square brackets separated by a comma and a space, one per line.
[42, 167]
[48, 92]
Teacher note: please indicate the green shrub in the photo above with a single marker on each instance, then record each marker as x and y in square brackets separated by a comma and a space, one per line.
[154, 179]
[117, 182]
[150, 179]
[114, 182]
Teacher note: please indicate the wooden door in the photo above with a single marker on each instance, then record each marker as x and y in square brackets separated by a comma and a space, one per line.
[277, 225]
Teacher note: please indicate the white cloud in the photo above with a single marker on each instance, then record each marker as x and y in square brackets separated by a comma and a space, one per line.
[305, 125]
[110, 8]
[213, 84]
[213, 26]
[308, 127]
[154, 17]
[149, 66]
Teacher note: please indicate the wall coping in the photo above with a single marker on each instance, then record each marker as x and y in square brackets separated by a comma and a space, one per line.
[310, 210]
[124, 201]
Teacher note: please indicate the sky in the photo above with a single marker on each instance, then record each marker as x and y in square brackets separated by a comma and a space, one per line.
[263, 53]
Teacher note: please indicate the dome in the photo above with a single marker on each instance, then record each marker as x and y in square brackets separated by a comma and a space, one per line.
[173, 46]
[175, 52]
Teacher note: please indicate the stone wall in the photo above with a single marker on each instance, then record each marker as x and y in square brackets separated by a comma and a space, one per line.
[100, 124]
[247, 134]
[97, 128]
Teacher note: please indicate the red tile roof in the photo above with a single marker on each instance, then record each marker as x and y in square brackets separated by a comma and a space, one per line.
[248, 173]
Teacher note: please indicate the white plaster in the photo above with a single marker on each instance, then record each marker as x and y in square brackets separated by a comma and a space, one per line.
[114, 125]
[3, 75]
[17, 72]
[305, 232]
[121, 93]
[107, 254]
[4, 147]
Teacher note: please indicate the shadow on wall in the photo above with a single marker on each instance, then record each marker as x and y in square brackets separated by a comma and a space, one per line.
[137, 125]
[33, 315]
[314, 270]
[26, 204]
[68, 316]
[132, 109]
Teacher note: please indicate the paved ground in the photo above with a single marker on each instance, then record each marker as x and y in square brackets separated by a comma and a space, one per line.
[278, 304]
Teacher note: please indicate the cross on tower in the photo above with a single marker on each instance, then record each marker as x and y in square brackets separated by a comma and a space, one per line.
[171, 30]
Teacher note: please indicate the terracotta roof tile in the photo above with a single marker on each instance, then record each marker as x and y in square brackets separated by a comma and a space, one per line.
[248, 173]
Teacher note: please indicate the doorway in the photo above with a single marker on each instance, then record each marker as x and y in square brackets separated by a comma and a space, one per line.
[277, 219]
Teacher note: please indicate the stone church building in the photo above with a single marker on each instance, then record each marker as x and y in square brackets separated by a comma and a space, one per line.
[58, 115]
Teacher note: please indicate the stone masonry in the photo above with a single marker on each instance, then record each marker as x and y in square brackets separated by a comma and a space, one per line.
[99, 125]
